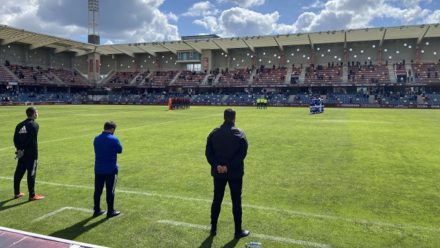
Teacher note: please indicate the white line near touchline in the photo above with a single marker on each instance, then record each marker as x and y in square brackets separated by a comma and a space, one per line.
[256, 235]
[61, 210]
[272, 209]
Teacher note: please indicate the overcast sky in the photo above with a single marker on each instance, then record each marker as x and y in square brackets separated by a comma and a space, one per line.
[125, 21]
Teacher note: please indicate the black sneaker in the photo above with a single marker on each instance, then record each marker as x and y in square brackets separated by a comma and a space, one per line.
[113, 214]
[242, 234]
[98, 213]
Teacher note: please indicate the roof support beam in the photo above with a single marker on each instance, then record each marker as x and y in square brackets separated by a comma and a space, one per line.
[147, 51]
[123, 51]
[12, 40]
[279, 44]
[220, 46]
[310, 42]
[248, 45]
[193, 47]
[419, 40]
[81, 53]
[42, 44]
[383, 37]
[169, 49]
[64, 49]
[345, 40]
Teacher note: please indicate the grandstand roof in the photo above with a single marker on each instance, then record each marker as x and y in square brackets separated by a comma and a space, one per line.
[10, 35]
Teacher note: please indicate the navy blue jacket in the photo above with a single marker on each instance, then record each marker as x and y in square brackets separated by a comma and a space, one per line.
[25, 138]
[107, 147]
[227, 145]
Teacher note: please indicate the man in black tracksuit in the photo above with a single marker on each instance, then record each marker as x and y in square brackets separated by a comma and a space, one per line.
[25, 141]
[226, 150]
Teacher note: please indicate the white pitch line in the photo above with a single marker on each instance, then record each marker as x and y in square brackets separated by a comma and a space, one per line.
[16, 242]
[61, 210]
[44, 237]
[272, 209]
[256, 235]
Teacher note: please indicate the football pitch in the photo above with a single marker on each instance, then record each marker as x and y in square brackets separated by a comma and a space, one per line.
[346, 178]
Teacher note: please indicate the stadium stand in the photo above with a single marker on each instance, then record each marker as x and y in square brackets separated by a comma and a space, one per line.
[190, 78]
[270, 76]
[381, 68]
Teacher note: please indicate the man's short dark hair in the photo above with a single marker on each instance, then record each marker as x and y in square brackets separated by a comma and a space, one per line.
[30, 111]
[109, 125]
[229, 115]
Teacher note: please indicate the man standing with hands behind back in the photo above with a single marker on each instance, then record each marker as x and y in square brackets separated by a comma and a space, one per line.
[107, 147]
[226, 150]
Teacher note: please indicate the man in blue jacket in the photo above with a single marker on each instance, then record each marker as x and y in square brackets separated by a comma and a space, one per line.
[107, 147]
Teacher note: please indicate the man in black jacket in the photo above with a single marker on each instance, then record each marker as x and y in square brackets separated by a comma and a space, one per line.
[226, 150]
[25, 141]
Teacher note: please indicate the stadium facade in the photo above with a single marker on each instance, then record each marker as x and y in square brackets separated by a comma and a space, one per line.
[396, 66]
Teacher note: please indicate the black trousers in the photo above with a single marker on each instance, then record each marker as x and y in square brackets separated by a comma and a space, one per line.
[110, 185]
[25, 164]
[235, 185]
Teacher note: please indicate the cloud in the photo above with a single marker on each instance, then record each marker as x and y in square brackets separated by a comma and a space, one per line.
[202, 9]
[315, 5]
[119, 21]
[434, 17]
[238, 21]
[172, 17]
[244, 3]
[350, 14]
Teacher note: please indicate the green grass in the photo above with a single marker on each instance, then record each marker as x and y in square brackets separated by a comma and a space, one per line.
[347, 178]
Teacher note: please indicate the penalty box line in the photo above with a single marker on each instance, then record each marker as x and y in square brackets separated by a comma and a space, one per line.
[256, 235]
[272, 209]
